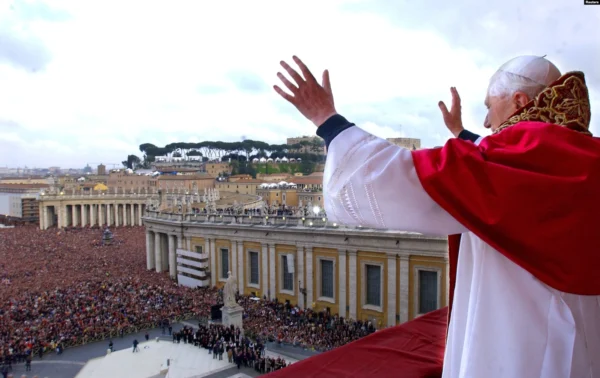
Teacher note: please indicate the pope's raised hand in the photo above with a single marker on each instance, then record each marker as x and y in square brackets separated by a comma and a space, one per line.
[453, 118]
[313, 100]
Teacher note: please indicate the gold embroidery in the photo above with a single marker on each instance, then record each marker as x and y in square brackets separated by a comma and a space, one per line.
[565, 102]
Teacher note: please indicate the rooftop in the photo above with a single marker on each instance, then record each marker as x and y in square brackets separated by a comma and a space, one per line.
[186, 177]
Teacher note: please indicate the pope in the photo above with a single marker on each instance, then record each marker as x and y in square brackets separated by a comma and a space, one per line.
[520, 207]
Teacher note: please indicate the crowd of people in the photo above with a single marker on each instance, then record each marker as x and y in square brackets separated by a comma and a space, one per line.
[61, 288]
[221, 341]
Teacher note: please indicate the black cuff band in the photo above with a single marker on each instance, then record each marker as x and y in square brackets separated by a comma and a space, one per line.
[467, 135]
[332, 128]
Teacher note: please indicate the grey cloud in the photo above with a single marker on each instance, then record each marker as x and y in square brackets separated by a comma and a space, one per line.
[23, 51]
[564, 30]
[248, 82]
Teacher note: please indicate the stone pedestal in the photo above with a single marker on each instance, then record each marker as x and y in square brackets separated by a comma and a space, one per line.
[232, 315]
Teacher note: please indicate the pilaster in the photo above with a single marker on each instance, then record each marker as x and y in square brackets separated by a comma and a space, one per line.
[272, 265]
[391, 291]
[213, 261]
[404, 294]
[241, 270]
[234, 261]
[84, 215]
[300, 274]
[309, 277]
[342, 282]
[265, 269]
[352, 284]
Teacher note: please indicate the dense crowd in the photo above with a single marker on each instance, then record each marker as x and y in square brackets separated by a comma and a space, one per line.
[223, 341]
[61, 288]
[282, 322]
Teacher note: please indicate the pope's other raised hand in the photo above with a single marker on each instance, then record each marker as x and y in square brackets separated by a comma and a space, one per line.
[313, 100]
[453, 118]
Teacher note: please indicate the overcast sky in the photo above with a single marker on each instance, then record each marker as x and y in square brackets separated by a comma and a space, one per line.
[89, 81]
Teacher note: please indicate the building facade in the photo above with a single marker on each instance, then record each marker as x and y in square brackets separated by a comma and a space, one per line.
[408, 143]
[123, 180]
[311, 144]
[20, 200]
[186, 182]
[243, 186]
[382, 276]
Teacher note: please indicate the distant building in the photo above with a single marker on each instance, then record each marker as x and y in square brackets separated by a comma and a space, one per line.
[21, 200]
[408, 143]
[102, 170]
[126, 180]
[246, 186]
[25, 180]
[218, 168]
[186, 182]
[311, 148]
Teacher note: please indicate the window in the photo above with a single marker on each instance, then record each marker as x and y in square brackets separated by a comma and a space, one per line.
[327, 278]
[224, 263]
[373, 292]
[288, 278]
[199, 249]
[254, 266]
[428, 291]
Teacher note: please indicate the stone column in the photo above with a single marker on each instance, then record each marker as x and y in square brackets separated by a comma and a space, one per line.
[234, 260]
[391, 291]
[240, 254]
[265, 269]
[150, 259]
[116, 208]
[404, 275]
[131, 215]
[188, 243]
[109, 213]
[84, 215]
[342, 282]
[213, 262]
[158, 252]
[309, 277]
[62, 216]
[43, 210]
[272, 265]
[172, 258]
[100, 214]
[92, 215]
[300, 274]
[140, 213]
[352, 283]
[74, 215]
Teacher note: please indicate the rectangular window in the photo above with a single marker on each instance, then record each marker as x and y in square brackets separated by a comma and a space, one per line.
[288, 278]
[199, 249]
[373, 273]
[428, 291]
[224, 263]
[327, 278]
[254, 272]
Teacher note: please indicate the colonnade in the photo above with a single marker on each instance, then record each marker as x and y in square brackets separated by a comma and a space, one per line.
[113, 214]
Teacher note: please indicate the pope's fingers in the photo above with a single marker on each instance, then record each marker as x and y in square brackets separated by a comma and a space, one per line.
[326, 83]
[283, 94]
[444, 110]
[455, 100]
[287, 83]
[305, 71]
[295, 75]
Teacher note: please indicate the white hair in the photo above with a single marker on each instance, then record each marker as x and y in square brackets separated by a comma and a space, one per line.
[527, 74]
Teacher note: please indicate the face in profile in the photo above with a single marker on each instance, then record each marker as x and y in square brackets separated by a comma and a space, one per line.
[501, 107]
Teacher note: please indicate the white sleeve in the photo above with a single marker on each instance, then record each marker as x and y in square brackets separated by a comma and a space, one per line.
[373, 183]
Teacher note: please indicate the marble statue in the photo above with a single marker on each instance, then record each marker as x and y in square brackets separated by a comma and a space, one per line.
[229, 291]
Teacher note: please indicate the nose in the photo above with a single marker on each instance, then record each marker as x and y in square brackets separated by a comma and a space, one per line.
[486, 122]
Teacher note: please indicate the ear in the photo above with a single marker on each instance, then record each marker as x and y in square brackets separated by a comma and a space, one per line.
[520, 99]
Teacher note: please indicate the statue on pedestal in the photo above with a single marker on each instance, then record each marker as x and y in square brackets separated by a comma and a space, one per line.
[107, 237]
[229, 291]
[264, 210]
[237, 208]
